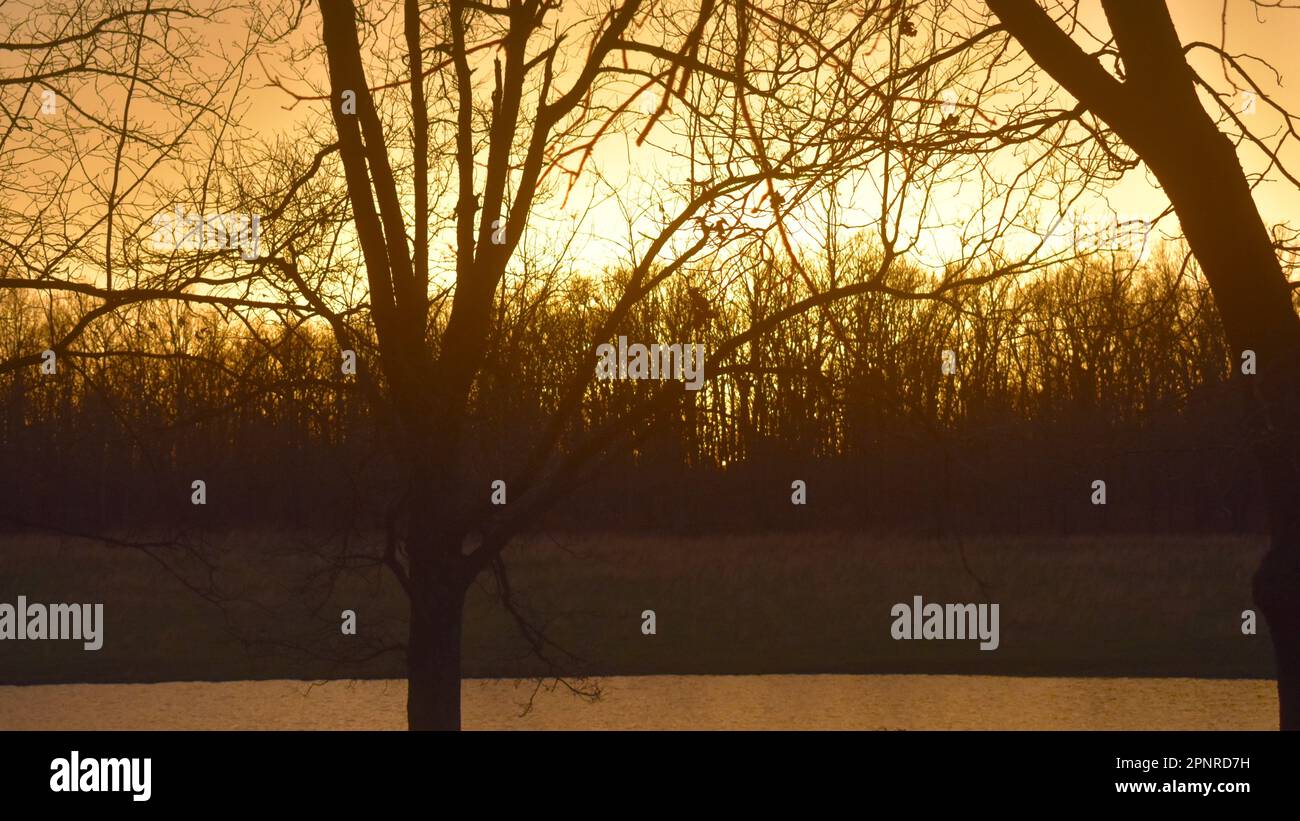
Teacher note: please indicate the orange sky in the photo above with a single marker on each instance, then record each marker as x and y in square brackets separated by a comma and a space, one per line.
[603, 232]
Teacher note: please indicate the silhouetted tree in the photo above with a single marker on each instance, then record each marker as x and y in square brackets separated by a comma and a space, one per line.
[1155, 109]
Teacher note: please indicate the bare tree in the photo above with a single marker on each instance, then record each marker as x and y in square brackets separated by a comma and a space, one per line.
[768, 111]
[1152, 103]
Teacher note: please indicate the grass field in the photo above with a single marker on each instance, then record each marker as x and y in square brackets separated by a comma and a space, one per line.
[775, 603]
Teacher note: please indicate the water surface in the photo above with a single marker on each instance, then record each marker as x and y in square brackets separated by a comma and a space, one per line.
[894, 702]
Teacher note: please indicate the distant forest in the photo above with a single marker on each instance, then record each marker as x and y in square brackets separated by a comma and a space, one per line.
[1094, 369]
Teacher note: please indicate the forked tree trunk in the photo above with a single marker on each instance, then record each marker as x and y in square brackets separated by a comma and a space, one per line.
[427, 391]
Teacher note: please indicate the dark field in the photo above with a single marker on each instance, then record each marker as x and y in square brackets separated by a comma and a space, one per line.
[788, 603]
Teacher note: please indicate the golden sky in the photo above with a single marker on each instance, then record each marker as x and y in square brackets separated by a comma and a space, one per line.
[631, 178]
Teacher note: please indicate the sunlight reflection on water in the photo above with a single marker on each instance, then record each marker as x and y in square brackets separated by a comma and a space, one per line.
[912, 702]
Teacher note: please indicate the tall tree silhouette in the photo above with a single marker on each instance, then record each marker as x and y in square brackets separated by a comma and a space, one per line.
[1156, 111]
[542, 109]
[526, 91]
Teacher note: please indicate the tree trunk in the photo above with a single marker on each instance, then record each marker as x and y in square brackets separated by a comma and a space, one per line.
[1277, 580]
[1156, 111]
[1201, 174]
[433, 654]
[437, 585]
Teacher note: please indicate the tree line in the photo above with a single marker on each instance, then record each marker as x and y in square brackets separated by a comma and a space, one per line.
[1097, 368]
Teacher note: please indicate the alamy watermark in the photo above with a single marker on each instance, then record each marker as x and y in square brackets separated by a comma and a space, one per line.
[946, 622]
[1090, 232]
[656, 361]
[83, 622]
[77, 774]
[181, 231]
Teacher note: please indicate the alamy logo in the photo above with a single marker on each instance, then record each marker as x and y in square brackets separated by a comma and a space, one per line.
[946, 621]
[207, 232]
[1088, 233]
[636, 361]
[53, 621]
[75, 774]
